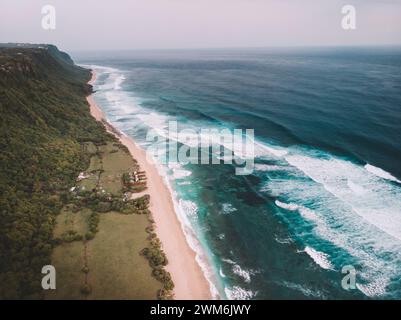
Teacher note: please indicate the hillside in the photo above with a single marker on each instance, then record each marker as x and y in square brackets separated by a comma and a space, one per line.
[47, 138]
[44, 120]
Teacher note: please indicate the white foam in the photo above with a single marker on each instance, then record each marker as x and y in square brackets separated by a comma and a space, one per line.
[377, 201]
[118, 82]
[238, 293]
[268, 167]
[305, 212]
[229, 261]
[357, 212]
[189, 207]
[154, 120]
[262, 149]
[381, 173]
[375, 288]
[283, 241]
[228, 208]
[320, 258]
[363, 245]
[99, 69]
[236, 268]
[174, 165]
[184, 183]
[309, 214]
[114, 81]
[244, 274]
[205, 137]
[357, 189]
[185, 209]
[122, 105]
[302, 288]
[181, 173]
[290, 206]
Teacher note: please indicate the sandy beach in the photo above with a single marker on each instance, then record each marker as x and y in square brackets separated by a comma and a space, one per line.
[189, 280]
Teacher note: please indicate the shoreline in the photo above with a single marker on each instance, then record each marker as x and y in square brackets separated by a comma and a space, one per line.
[189, 281]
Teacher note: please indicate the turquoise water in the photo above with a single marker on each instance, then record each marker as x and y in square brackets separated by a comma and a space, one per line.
[325, 191]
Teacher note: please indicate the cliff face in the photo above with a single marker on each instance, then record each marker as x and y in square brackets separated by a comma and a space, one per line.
[52, 49]
[40, 62]
[44, 121]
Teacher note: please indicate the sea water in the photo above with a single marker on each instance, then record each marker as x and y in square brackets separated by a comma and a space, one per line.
[325, 192]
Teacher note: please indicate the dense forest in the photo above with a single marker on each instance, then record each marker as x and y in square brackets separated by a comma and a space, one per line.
[44, 123]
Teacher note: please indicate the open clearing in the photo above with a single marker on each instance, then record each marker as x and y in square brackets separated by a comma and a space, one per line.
[110, 265]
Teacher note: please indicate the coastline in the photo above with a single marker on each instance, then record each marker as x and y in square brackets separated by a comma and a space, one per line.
[188, 278]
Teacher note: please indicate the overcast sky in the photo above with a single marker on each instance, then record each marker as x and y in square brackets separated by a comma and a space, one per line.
[131, 24]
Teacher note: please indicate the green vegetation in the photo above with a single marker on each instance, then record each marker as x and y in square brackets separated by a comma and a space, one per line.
[48, 139]
[112, 229]
[44, 123]
[117, 270]
[158, 260]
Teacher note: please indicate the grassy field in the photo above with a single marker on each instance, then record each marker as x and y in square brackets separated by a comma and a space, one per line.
[115, 163]
[68, 259]
[68, 220]
[117, 270]
[109, 265]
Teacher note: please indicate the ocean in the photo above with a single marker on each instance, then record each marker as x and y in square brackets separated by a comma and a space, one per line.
[325, 193]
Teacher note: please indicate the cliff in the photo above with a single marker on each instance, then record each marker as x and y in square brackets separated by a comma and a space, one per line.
[44, 122]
